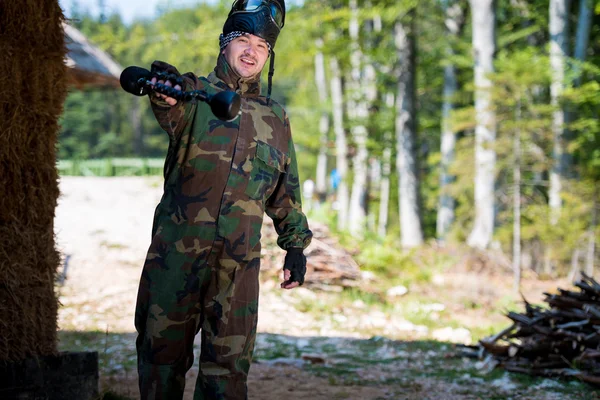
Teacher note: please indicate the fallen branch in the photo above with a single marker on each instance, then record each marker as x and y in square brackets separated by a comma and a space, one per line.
[561, 341]
[328, 264]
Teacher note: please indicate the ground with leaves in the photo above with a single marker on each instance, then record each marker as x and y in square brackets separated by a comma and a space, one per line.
[354, 344]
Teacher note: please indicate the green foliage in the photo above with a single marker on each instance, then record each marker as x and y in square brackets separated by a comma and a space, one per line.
[586, 128]
[112, 167]
[383, 258]
[98, 124]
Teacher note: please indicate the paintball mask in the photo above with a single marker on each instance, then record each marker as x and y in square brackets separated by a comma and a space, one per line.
[263, 18]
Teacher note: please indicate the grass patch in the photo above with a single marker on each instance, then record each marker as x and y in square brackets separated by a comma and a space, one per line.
[487, 329]
[365, 363]
[359, 300]
[111, 245]
[385, 256]
[116, 351]
[368, 298]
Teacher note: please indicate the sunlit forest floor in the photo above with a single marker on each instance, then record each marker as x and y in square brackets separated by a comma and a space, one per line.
[360, 343]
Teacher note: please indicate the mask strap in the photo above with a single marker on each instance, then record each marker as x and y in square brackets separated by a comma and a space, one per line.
[271, 72]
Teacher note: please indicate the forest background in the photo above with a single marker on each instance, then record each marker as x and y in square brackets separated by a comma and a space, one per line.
[423, 123]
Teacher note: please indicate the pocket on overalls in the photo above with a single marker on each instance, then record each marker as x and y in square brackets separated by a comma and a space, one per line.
[268, 164]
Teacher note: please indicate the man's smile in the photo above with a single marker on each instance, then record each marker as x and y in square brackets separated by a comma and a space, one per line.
[248, 61]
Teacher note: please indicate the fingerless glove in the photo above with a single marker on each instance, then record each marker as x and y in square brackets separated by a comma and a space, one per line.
[295, 262]
[166, 72]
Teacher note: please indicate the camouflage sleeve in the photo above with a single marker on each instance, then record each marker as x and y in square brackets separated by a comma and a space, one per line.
[172, 119]
[285, 205]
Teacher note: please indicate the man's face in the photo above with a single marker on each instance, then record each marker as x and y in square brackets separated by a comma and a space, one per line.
[247, 55]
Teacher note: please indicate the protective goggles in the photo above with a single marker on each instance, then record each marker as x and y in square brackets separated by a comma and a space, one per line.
[277, 13]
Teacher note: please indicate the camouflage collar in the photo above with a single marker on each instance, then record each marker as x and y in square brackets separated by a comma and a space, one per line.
[226, 78]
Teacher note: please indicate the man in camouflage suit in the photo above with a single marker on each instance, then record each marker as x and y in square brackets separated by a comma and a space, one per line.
[202, 267]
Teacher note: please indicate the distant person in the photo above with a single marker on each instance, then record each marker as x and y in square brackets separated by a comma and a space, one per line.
[334, 180]
[202, 267]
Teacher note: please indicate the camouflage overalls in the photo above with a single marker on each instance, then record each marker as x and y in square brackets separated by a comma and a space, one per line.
[202, 267]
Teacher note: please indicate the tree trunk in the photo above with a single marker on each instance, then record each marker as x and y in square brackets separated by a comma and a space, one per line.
[370, 93]
[445, 216]
[384, 191]
[340, 142]
[574, 273]
[406, 134]
[357, 113]
[373, 181]
[484, 47]
[517, 205]
[321, 82]
[548, 264]
[559, 29]
[584, 23]
[591, 248]
[582, 37]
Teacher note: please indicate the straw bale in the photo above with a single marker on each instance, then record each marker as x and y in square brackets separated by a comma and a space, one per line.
[29, 311]
[32, 93]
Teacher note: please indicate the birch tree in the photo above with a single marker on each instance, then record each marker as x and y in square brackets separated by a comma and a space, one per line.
[484, 47]
[406, 133]
[321, 82]
[559, 50]
[516, 261]
[384, 186]
[374, 181]
[373, 27]
[357, 113]
[341, 145]
[590, 254]
[582, 37]
[453, 24]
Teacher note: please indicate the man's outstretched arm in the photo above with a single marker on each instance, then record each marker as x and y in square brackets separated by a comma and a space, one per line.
[170, 113]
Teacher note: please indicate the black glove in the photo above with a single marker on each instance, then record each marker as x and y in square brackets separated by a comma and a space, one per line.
[295, 262]
[166, 72]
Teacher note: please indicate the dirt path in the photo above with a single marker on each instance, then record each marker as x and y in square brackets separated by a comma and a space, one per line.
[103, 227]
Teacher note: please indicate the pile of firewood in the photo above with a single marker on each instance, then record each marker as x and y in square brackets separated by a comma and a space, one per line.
[562, 340]
[328, 264]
